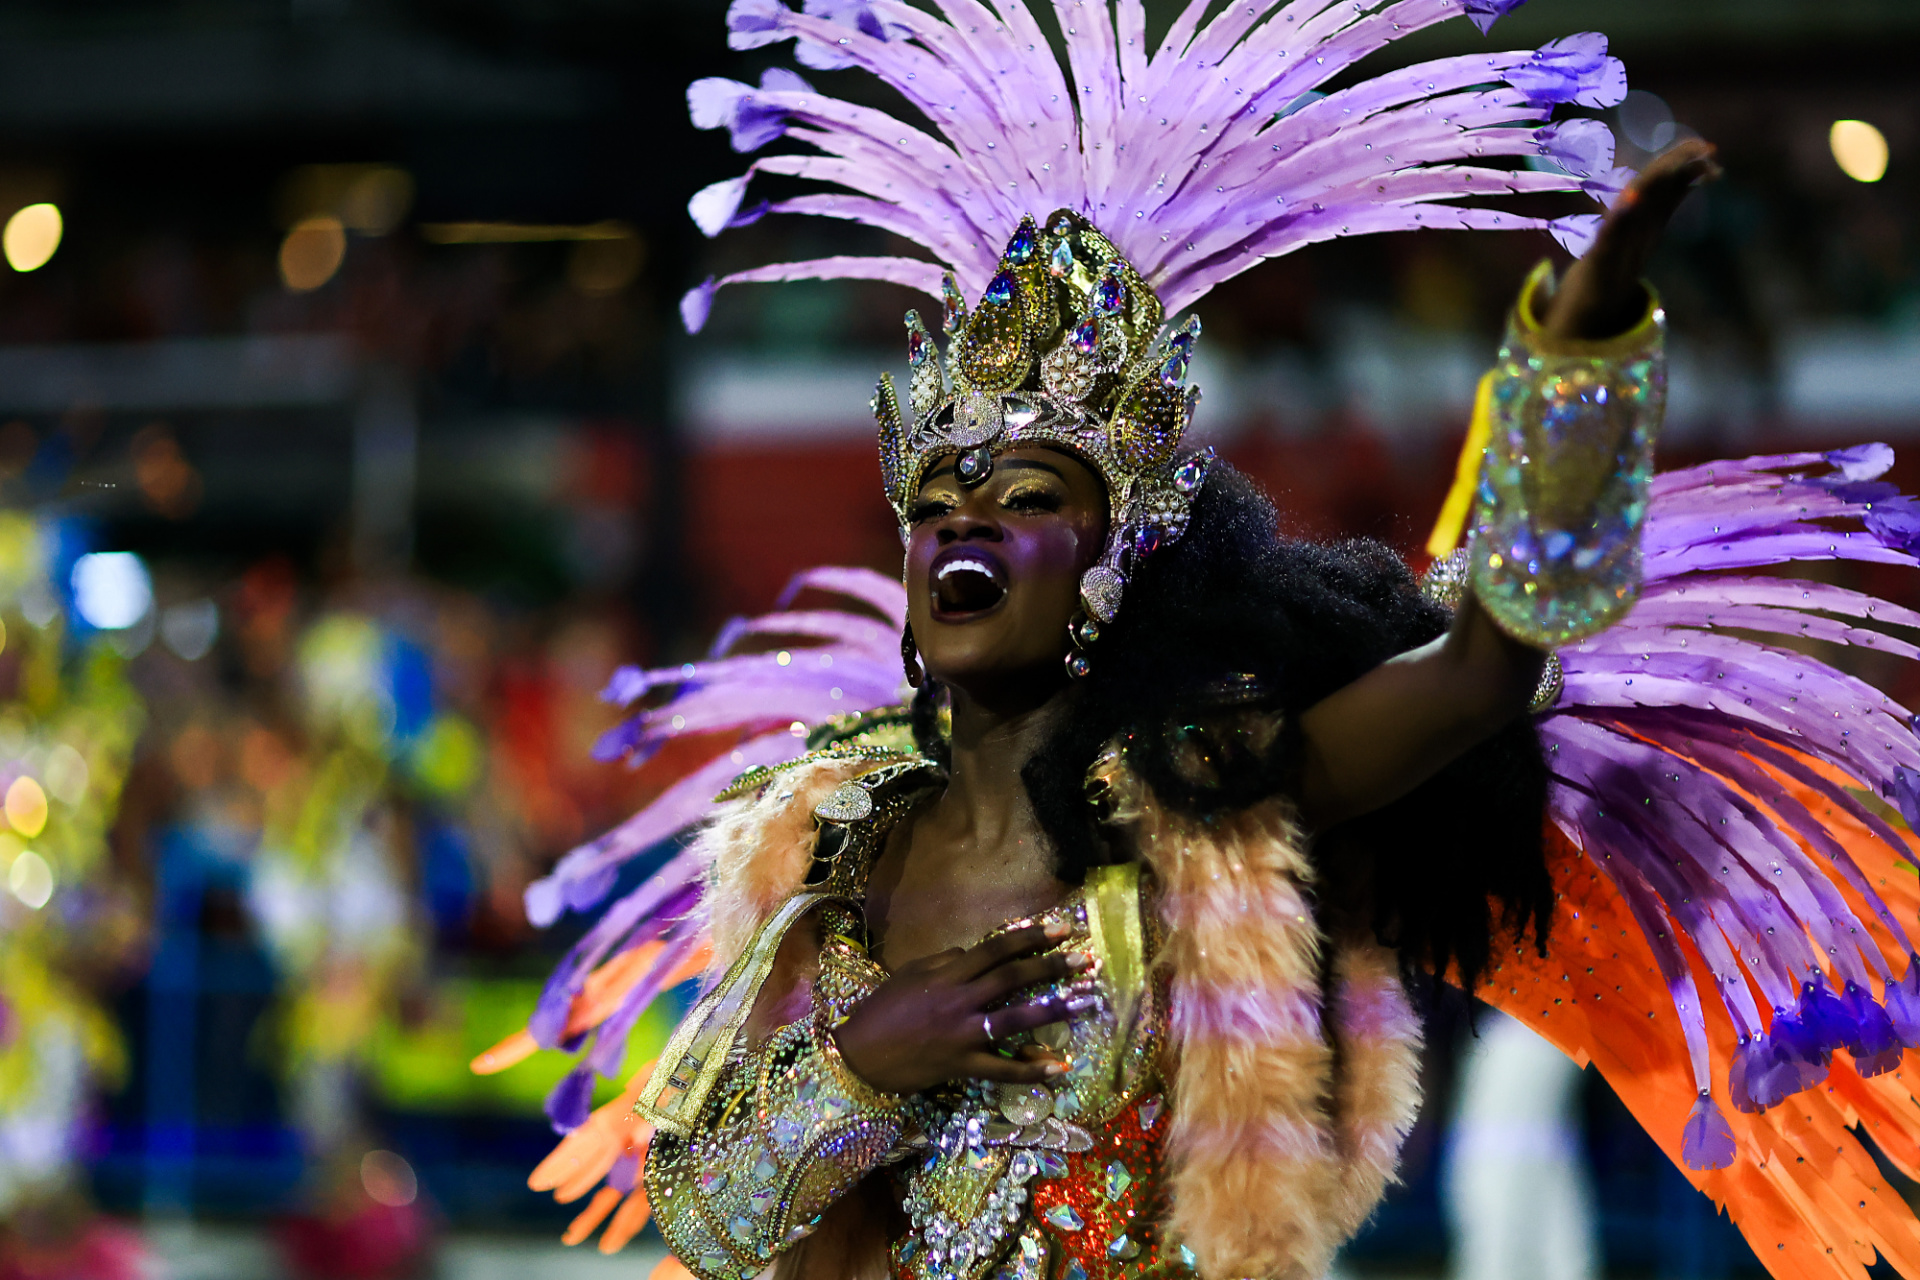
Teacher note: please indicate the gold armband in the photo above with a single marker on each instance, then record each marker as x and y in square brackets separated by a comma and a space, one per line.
[1563, 484]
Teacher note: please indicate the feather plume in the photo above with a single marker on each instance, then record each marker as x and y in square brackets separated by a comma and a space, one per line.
[1188, 158]
[1731, 890]
[837, 660]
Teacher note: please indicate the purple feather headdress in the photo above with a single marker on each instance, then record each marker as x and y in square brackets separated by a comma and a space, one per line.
[1214, 153]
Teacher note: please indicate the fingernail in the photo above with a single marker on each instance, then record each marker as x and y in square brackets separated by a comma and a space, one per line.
[1056, 1069]
[1079, 960]
[1057, 929]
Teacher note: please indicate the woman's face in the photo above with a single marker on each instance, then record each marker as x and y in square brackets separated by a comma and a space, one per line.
[993, 572]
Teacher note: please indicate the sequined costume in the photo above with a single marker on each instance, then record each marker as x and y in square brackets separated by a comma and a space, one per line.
[1730, 889]
[759, 1132]
[1036, 1177]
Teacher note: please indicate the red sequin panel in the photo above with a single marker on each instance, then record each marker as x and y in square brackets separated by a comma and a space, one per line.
[1114, 1190]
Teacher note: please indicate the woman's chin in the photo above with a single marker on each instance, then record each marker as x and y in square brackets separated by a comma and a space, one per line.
[983, 670]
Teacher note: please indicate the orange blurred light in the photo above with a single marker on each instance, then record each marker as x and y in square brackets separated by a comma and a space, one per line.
[166, 479]
[196, 757]
[312, 253]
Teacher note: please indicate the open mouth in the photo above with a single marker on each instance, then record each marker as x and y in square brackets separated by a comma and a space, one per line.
[966, 583]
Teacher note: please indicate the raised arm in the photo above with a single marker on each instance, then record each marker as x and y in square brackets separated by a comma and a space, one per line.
[1373, 741]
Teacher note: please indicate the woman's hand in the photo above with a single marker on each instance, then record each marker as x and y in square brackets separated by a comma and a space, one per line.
[927, 1024]
[1602, 295]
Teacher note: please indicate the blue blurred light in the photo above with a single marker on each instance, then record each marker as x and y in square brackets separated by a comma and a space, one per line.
[111, 589]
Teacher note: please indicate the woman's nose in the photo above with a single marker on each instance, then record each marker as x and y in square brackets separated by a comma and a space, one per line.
[968, 523]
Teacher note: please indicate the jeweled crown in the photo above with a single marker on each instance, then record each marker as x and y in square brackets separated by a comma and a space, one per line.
[1067, 348]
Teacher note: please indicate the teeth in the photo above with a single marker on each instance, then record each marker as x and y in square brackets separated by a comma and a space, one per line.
[964, 565]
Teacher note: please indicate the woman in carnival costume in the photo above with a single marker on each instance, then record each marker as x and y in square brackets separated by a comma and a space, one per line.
[1090, 962]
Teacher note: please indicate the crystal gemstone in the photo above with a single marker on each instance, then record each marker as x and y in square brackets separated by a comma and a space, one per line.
[950, 297]
[1064, 1217]
[1021, 247]
[1173, 370]
[1186, 478]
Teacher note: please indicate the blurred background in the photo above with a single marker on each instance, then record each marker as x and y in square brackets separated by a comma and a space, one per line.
[349, 440]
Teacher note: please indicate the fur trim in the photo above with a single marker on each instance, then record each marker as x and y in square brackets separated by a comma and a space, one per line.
[757, 851]
[1377, 1088]
[1264, 1181]
[1252, 1162]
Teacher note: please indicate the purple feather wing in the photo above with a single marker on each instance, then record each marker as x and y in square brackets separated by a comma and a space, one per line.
[771, 680]
[1688, 735]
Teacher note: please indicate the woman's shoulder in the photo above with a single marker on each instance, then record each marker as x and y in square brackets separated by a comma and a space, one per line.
[846, 746]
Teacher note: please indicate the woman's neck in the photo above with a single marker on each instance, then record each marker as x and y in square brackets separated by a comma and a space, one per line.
[976, 856]
[986, 803]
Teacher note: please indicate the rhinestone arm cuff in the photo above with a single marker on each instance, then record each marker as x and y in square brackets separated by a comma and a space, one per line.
[788, 1130]
[1564, 482]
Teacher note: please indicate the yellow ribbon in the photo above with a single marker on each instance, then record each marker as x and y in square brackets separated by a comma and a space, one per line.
[1445, 537]
[1117, 939]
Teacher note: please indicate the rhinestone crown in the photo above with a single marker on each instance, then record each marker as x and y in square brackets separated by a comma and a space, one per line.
[1066, 348]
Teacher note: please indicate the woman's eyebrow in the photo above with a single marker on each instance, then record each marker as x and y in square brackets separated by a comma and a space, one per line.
[1017, 464]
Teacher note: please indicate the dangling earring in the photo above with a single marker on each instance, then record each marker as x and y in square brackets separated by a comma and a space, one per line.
[1083, 631]
[910, 659]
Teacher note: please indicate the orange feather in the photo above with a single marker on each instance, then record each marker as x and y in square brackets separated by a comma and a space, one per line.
[1803, 1190]
[605, 988]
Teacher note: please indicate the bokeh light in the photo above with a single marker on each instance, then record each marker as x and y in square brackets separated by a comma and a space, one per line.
[32, 235]
[376, 200]
[190, 629]
[111, 589]
[31, 879]
[367, 199]
[1647, 121]
[312, 252]
[68, 774]
[388, 1179]
[1859, 149]
[602, 268]
[26, 807]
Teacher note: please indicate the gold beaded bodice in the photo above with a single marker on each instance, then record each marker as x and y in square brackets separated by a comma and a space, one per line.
[1030, 1182]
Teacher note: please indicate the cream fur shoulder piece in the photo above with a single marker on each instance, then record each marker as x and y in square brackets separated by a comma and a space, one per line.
[1295, 1064]
[757, 849]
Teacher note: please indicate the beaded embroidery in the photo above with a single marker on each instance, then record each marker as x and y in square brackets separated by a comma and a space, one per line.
[1568, 470]
[1066, 348]
[1013, 1182]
